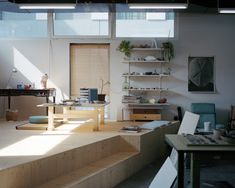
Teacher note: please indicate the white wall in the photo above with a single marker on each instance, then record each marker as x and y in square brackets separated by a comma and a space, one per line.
[198, 35]
[207, 35]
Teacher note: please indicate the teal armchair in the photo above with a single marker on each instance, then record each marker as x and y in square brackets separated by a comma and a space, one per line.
[207, 113]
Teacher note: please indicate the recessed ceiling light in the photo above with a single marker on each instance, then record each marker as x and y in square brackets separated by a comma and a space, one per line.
[227, 10]
[47, 6]
[158, 5]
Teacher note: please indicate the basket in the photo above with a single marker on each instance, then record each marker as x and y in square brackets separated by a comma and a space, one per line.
[11, 115]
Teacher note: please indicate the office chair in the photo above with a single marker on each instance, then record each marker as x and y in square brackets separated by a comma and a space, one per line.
[231, 123]
[206, 112]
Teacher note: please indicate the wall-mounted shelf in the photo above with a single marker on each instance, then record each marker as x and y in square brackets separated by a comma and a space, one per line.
[146, 73]
[146, 49]
[143, 61]
[158, 75]
[146, 89]
[148, 104]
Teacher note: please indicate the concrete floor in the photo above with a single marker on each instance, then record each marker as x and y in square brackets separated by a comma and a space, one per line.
[219, 174]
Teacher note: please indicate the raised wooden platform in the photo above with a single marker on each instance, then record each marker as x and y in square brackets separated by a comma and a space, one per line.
[75, 156]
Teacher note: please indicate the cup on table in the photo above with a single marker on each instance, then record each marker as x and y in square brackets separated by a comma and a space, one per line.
[207, 126]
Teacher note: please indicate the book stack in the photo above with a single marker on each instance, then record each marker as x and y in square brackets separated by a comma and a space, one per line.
[131, 129]
[130, 99]
[89, 94]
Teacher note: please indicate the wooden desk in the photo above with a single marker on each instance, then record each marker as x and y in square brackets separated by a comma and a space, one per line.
[51, 92]
[96, 113]
[198, 153]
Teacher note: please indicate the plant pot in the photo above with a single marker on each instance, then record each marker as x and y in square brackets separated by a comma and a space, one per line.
[101, 97]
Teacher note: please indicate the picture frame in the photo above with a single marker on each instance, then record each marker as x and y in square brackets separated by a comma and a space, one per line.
[201, 74]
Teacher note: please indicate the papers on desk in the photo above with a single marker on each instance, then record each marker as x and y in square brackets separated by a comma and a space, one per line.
[154, 124]
[204, 140]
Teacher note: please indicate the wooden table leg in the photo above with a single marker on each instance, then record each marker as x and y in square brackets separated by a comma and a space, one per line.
[96, 119]
[50, 118]
[195, 171]
[65, 111]
[101, 115]
[180, 165]
[9, 102]
[47, 101]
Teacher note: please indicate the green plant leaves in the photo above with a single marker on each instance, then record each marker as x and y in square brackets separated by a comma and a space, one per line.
[125, 47]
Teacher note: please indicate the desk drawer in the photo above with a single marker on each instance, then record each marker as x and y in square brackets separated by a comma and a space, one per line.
[145, 116]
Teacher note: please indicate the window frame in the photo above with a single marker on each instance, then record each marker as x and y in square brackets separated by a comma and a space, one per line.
[83, 36]
[176, 32]
[29, 38]
[111, 31]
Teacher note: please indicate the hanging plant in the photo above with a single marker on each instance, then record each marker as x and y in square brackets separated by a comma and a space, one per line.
[125, 47]
[168, 50]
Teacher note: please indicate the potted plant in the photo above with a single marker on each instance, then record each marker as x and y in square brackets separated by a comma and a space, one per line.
[168, 50]
[125, 47]
[101, 95]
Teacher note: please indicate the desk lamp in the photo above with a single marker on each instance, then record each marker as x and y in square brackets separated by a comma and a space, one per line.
[10, 77]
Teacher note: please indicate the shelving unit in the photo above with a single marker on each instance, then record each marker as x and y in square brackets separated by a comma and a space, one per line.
[145, 111]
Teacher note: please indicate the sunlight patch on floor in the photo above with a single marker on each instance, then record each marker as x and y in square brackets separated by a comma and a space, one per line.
[70, 126]
[33, 145]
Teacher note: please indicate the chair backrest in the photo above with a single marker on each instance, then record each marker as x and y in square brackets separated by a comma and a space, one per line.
[232, 118]
[206, 112]
[189, 123]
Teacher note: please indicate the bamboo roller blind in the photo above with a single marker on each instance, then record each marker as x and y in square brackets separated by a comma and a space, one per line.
[89, 63]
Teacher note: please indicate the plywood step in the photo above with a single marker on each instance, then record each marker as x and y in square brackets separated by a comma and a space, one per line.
[104, 173]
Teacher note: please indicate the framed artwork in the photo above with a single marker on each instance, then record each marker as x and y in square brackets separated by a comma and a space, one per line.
[201, 74]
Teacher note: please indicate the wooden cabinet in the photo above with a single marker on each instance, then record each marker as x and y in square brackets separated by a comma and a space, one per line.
[145, 114]
[145, 117]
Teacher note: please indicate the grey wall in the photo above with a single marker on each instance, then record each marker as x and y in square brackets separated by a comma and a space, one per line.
[198, 35]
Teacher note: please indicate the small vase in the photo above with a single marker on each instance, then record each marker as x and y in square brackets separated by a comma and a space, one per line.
[125, 84]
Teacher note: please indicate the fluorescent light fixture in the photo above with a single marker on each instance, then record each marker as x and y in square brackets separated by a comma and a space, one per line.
[47, 6]
[158, 5]
[227, 10]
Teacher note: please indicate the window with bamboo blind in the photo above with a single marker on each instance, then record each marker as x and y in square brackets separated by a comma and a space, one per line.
[89, 64]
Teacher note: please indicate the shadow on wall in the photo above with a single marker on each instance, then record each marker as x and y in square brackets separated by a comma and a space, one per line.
[20, 55]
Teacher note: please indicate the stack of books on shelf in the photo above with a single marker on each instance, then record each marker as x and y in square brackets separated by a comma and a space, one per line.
[130, 99]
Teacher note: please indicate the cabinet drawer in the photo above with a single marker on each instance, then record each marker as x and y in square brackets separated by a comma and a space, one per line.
[145, 116]
[145, 111]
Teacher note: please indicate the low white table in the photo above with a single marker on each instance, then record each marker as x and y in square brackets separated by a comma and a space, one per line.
[96, 113]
